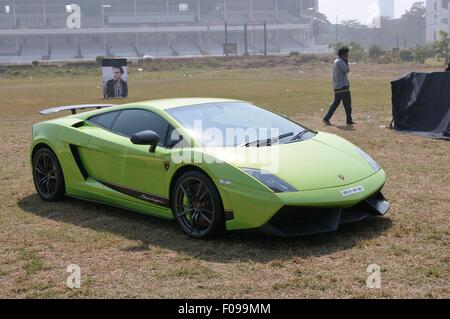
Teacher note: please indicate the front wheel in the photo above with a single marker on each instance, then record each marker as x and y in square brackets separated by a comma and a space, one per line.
[197, 206]
[47, 175]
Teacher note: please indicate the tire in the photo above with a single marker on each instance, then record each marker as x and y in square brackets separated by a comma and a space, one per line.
[48, 176]
[197, 206]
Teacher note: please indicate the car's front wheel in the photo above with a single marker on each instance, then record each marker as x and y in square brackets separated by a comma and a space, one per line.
[197, 206]
[47, 175]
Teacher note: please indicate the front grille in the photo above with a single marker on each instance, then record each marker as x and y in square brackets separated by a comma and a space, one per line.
[292, 221]
[295, 221]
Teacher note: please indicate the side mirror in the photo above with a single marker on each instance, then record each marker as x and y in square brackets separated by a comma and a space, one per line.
[146, 138]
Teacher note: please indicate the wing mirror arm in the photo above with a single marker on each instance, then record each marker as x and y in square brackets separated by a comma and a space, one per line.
[152, 148]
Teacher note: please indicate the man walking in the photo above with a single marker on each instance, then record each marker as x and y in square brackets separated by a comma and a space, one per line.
[341, 86]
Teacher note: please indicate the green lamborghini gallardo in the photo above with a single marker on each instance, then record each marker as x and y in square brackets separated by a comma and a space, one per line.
[211, 164]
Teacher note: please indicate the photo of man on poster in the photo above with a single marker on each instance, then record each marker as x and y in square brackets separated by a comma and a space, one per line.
[115, 78]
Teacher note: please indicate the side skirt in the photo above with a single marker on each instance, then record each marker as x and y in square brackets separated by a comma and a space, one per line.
[127, 205]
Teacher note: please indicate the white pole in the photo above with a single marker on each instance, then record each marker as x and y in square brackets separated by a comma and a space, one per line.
[157, 39]
[15, 13]
[44, 10]
[276, 10]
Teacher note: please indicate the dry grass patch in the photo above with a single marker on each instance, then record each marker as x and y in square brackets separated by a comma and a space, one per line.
[123, 254]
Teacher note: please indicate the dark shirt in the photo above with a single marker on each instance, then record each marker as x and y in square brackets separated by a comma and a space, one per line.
[116, 89]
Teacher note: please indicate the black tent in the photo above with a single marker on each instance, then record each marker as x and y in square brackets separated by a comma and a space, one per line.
[421, 104]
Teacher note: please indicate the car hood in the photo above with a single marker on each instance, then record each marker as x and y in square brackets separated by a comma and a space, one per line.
[321, 162]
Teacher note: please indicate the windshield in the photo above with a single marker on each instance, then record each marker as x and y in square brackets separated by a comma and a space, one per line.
[232, 124]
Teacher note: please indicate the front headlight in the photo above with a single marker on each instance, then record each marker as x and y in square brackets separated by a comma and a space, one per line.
[369, 159]
[273, 182]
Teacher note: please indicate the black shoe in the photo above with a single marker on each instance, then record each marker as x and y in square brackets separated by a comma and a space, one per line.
[352, 123]
[328, 123]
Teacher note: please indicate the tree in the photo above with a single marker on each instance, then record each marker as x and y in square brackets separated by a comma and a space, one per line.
[336, 46]
[375, 51]
[441, 45]
[321, 25]
[321, 18]
[413, 23]
[417, 12]
[406, 56]
[355, 24]
[357, 52]
[420, 53]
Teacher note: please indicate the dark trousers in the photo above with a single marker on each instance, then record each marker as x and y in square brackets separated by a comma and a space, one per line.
[343, 95]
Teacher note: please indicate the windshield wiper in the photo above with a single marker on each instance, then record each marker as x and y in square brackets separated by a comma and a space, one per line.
[269, 141]
[300, 135]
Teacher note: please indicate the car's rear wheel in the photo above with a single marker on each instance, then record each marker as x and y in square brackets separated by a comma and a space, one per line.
[197, 206]
[47, 175]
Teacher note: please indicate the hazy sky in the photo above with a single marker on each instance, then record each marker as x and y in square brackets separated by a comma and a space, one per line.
[357, 9]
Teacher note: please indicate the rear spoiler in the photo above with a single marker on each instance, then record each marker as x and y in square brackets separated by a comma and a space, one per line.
[74, 108]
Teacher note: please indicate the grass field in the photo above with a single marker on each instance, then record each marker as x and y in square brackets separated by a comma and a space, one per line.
[124, 254]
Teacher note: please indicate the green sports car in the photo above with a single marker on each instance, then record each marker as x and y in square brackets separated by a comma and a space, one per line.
[211, 164]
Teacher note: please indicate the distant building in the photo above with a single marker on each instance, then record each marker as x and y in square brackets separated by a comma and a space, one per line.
[438, 17]
[386, 8]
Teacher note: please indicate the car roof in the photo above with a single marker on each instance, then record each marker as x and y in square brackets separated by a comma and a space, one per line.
[180, 102]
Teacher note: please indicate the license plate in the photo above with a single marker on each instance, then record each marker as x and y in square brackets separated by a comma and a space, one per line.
[352, 191]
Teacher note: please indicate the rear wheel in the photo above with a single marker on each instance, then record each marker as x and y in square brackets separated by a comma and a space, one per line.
[197, 206]
[47, 175]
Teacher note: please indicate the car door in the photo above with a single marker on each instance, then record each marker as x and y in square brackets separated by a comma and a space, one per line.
[102, 157]
[142, 172]
[128, 171]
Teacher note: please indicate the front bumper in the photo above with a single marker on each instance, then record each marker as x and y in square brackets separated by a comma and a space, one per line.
[293, 221]
[252, 208]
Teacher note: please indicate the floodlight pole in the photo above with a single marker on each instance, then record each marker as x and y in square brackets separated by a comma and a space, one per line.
[15, 13]
[44, 10]
[103, 12]
[265, 38]
[276, 10]
[157, 39]
[245, 39]
[336, 29]
[226, 32]
[314, 26]
[167, 11]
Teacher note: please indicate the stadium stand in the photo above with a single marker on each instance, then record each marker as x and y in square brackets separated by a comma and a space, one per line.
[91, 47]
[6, 22]
[155, 47]
[122, 48]
[31, 22]
[135, 28]
[62, 49]
[185, 45]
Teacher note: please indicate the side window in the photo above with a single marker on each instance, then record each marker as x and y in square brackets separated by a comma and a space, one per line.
[105, 120]
[130, 122]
